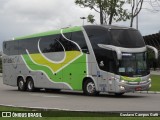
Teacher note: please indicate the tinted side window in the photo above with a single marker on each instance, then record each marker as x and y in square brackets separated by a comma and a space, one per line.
[98, 36]
[46, 44]
[5, 48]
[50, 44]
[10, 48]
[30, 44]
[78, 37]
[104, 57]
[67, 44]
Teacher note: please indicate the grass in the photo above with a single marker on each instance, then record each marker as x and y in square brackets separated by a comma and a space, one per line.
[3, 108]
[155, 83]
[86, 118]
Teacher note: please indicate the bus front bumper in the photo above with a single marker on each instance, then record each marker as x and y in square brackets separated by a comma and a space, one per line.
[134, 86]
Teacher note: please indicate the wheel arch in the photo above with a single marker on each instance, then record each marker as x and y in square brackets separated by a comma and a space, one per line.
[91, 78]
[28, 77]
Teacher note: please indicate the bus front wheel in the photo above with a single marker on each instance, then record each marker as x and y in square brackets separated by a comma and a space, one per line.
[30, 85]
[89, 88]
[119, 94]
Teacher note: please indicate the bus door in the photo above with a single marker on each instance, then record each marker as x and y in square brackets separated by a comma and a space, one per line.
[111, 82]
[111, 75]
[106, 82]
[106, 79]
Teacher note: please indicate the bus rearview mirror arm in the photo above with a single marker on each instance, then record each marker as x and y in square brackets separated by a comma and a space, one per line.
[154, 49]
[113, 48]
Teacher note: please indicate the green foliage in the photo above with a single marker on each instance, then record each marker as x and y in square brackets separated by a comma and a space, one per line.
[109, 10]
[90, 18]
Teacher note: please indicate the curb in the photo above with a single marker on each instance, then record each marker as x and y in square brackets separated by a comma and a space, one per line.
[148, 92]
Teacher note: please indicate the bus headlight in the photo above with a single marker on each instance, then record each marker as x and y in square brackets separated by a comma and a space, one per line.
[116, 79]
[121, 88]
[122, 81]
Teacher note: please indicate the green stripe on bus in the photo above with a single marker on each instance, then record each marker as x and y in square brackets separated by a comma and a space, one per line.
[129, 79]
[53, 32]
[73, 74]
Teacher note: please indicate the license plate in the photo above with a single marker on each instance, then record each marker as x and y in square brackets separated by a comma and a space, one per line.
[138, 88]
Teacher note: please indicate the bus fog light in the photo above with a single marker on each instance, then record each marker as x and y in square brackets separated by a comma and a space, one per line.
[122, 81]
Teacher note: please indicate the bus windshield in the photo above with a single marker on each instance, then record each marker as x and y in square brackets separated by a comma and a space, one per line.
[133, 65]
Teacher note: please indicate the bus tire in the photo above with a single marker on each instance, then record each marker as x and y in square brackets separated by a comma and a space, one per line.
[21, 84]
[30, 85]
[89, 88]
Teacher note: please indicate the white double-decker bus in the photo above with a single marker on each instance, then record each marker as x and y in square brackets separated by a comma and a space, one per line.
[93, 59]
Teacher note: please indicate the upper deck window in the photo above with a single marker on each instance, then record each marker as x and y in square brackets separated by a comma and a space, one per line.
[127, 38]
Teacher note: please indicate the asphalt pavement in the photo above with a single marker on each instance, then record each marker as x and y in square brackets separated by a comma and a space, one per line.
[76, 101]
[155, 72]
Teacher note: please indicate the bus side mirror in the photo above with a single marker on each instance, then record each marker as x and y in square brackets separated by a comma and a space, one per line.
[154, 49]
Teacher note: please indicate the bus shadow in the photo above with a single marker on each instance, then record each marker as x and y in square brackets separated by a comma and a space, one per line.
[77, 93]
[103, 95]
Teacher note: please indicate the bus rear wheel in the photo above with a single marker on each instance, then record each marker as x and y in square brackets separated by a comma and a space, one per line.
[89, 88]
[30, 85]
[21, 84]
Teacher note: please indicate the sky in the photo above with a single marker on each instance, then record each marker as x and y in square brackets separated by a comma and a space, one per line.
[25, 17]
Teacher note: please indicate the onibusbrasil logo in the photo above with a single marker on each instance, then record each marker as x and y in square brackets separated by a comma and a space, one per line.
[21, 115]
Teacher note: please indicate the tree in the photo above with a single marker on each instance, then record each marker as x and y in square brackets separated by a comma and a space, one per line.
[136, 6]
[108, 10]
[90, 18]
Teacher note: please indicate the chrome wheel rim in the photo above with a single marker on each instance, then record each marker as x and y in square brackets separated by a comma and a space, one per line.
[21, 84]
[30, 85]
[91, 87]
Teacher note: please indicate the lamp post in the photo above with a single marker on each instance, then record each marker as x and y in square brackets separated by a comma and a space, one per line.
[83, 18]
[137, 17]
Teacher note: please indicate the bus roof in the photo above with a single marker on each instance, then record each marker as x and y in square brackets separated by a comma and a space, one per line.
[70, 29]
[52, 32]
[109, 27]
